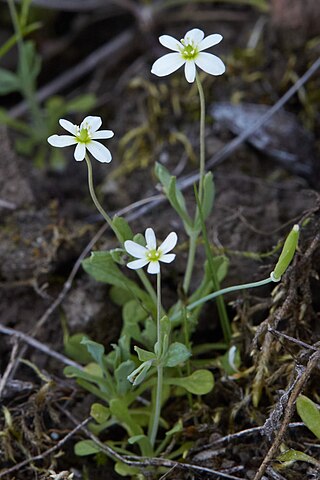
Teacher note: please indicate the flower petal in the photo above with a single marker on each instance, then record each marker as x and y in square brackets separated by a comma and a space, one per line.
[150, 239]
[210, 41]
[61, 140]
[94, 123]
[68, 126]
[190, 71]
[168, 258]
[210, 63]
[167, 64]
[153, 267]
[194, 36]
[102, 134]
[136, 264]
[135, 249]
[169, 243]
[80, 152]
[99, 151]
[170, 42]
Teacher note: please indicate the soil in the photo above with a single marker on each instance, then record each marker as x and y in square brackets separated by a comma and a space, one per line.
[265, 186]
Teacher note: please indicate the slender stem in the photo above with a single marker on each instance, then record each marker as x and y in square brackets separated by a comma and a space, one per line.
[27, 83]
[223, 316]
[157, 408]
[147, 285]
[202, 135]
[158, 305]
[145, 281]
[94, 197]
[223, 291]
[194, 236]
[190, 262]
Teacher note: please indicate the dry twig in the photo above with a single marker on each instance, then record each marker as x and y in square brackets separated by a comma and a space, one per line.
[41, 456]
[298, 385]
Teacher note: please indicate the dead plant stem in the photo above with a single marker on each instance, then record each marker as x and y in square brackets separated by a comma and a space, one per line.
[298, 387]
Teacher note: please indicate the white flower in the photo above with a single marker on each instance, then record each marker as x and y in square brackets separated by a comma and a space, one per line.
[189, 52]
[84, 136]
[150, 253]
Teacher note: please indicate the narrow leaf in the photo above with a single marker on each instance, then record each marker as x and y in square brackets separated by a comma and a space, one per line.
[309, 414]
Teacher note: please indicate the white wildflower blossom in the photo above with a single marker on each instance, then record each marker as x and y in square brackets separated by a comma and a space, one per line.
[84, 137]
[150, 254]
[189, 52]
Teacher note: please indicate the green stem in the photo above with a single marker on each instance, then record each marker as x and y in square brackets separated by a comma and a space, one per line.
[223, 291]
[145, 281]
[223, 316]
[158, 305]
[157, 408]
[27, 83]
[94, 197]
[190, 262]
[147, 285]
[194, 236]
[202, 136]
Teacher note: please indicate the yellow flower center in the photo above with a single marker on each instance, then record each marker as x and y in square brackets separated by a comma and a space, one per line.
[189, 51]
[153, 255]
[83, 136]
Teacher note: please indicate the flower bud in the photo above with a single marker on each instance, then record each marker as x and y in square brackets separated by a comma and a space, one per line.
[288, 251]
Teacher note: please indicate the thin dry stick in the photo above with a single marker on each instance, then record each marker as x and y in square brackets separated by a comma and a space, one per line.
[243, 433]
[10, 366]
[38, 345]
[41, 456]
[298, 387]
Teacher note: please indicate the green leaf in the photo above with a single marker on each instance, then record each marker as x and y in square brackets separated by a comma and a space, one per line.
[118, 255]
[161, 345]
[123, 228]
[309, 413]
[208, 194]
[120, 296]
[86, 447]
[120, 411]
[177, 201]
[125, 470]
[177, 354]
[14, 124]
[102, 268]
[144, 355]
[121, 376]
[149, 334]
[208, 199]
[96, 351]
[199, 382]
[133, 313]
[29, 64]
[297, 456]
[75, 350]
[136, 439]
[9, 82]
[74, 372]
[177, 428]
[173, 194]
[81, 103]
[99, 412]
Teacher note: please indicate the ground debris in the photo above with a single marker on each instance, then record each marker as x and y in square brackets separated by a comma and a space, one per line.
[282, 137]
